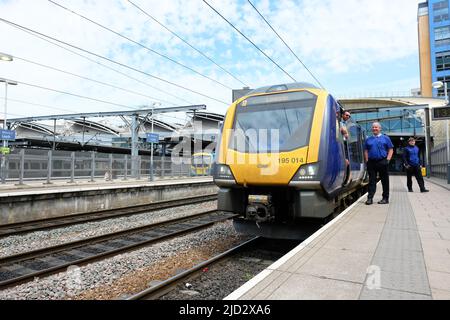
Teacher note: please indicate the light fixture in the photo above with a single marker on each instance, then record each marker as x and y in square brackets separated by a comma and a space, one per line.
[9, 82]
[5, 57]
[437, 84]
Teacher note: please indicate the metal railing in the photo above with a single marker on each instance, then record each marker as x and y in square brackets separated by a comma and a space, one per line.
[439, 161]
[24, 165]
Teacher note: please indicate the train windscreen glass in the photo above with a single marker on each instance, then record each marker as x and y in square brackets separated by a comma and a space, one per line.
[273, 123]
[200, 161]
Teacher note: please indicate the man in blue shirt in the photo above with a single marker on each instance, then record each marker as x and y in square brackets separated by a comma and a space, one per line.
[412, 164]
[378, 151]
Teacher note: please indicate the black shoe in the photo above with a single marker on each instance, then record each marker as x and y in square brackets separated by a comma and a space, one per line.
[384, 201]
[410, 190]
[369, 202]
[424, 191]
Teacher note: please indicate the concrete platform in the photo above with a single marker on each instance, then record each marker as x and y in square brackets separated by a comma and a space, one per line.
[35, 202]
[396, 251]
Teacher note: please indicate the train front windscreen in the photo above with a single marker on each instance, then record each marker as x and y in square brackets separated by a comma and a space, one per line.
[273, 123]
[202, 161]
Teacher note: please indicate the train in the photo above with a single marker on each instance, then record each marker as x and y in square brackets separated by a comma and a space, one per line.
[283, 163]
[201, 163]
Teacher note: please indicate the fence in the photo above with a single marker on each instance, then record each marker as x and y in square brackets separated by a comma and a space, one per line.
[439, 161]
[29, 164]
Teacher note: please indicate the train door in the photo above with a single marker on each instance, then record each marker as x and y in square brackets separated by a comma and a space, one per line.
[344, 137]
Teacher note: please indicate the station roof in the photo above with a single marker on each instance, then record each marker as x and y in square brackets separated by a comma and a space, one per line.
[375, 103]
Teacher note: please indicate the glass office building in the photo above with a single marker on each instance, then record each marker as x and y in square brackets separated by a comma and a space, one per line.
[434, 46]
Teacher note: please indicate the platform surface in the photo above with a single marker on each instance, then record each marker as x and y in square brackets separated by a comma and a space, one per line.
[379, 252]
[32, 188]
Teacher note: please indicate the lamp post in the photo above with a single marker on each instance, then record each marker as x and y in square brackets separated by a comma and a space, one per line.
[8, 58]
[438, 85]
[5, 126]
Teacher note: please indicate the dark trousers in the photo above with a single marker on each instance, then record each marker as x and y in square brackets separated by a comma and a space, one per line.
[417, 172]
[380, 168]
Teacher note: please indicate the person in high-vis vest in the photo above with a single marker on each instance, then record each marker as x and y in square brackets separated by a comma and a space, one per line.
[411, 161]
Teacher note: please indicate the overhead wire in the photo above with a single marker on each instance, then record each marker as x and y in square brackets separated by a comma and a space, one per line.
[89, 79]
[20, 27]
[40, 105]
[73, 94]
[109, 68]
[186, 42]
[248, 39]
[140, 44]
[284, 42]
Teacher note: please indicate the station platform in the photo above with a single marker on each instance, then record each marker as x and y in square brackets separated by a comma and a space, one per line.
[399, 251]
[37, 201]
[40, 187]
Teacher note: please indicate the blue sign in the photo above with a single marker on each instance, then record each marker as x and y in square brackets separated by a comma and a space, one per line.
[152, 138]
[7, 135]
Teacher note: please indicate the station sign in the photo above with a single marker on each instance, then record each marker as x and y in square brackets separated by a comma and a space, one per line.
[442, 113]
[8, 135]
[152, 138]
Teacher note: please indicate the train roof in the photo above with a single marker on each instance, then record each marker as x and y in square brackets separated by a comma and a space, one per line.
[283, 87]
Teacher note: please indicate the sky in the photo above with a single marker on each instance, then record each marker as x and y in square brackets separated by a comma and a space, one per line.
[353, 47]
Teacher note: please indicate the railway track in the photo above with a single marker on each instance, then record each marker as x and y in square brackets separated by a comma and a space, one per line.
[166, 286]
[18, 228]
[22, 267]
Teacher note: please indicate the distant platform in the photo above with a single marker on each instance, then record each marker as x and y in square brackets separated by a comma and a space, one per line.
[40, 187]
[379, 252]
[36, 201]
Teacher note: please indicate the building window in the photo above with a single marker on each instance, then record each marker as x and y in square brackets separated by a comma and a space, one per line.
[441, 91]
[443, 61]
[442, 36]
[440, 10]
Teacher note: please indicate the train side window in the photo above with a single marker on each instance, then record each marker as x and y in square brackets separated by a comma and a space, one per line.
[12, 165]
[338, 130]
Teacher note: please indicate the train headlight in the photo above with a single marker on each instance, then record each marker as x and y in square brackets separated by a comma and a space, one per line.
[223, 172]
[307, 172]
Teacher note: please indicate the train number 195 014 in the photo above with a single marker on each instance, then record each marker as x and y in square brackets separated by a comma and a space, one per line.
[291, 160]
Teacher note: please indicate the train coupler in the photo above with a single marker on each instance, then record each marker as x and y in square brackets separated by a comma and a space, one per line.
[260, 208]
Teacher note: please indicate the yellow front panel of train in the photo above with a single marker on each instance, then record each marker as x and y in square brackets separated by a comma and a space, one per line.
[263, 169]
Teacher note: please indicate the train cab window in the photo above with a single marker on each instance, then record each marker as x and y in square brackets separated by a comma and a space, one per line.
[273, 123]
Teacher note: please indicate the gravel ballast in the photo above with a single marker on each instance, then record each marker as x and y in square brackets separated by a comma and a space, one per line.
[128, 273]
[41, 239]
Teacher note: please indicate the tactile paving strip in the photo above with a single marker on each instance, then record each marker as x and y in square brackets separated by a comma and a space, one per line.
[399, 255]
